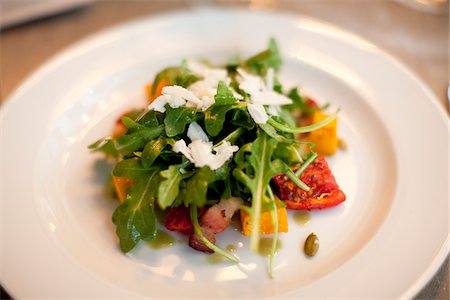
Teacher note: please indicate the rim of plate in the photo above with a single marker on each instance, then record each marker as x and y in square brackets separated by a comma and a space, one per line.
[92, 41]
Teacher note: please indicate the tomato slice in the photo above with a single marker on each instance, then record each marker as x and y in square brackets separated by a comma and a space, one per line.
[178, 219]
[324, 190]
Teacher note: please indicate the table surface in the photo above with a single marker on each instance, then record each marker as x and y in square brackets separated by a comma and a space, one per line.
[418, 39]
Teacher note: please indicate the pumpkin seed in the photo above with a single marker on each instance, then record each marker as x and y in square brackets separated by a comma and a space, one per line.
[311, 245]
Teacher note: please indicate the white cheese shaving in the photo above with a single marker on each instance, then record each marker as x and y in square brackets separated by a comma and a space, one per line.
[158, 104]
[177, 96]
[195, 132]
[180, 147]
[259, 91]
[206, 88]
[203, 88]
[200, 153]
[258, 113]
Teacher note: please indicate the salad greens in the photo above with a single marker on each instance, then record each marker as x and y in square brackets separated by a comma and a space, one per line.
[167, 171]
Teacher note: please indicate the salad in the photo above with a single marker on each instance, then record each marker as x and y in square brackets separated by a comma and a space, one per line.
[216, 143]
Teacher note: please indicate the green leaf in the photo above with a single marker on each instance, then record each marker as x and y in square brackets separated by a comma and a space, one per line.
[224, 96]
[197, 186]
[273, 133]
[177, 119]
[215, 118]
[132, 125]
[260, 159]
[241, 117]
[130, 168]
[170, 185]
[175, 76]
[291, 153]
[135, 218]
[299, 102]
[150, 119]
[105, 145]
[152, 150]
[186, 79]
[269, 58]
[130, 142]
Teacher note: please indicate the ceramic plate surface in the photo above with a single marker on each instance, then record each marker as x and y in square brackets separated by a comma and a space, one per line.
[386, 240]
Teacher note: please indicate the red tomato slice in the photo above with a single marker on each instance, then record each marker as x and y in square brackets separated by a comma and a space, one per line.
[324, 190]
[178, 219]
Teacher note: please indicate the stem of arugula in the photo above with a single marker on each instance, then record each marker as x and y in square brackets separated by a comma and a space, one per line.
[198, 232]
[311, 157]
[304, 129]
[232, 137]
[274, 215]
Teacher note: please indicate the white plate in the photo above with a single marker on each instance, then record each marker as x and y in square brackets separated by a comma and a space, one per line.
[386, 241]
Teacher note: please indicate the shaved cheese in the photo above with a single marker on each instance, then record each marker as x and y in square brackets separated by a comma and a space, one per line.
[258, 113]
[249, 83]
[158, 104]
[270, 98]
[195, 132]
[181, 147]
[177, 96]
[206, 88]
[200, 153]
[175, 91]
[203, 88]
[261, 92]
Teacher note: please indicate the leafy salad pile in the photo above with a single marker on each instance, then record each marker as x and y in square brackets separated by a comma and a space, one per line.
[214, 133]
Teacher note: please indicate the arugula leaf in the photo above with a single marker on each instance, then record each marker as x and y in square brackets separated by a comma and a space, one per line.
[186, 79]
[150, 119]
[224, 95]
[177, 119]
[132, 125]
[174, 75]
[292, 154]
[299, 102]
[135, 218]
[130, 142]
[170, 184]
[257, 181]
[105, 145]
[131, 168]
[215, 117]
[264, 60]
[197, 186]
[240, 117]
[273, 133]
[152, 150]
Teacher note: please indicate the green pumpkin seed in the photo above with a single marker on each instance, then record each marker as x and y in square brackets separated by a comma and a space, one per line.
[311, 245]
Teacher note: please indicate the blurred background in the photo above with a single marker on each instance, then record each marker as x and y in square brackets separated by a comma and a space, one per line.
[415, 32]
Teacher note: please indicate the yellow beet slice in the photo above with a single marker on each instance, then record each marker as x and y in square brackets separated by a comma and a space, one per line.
[325, 138]
[121, 184]
[266, 225]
